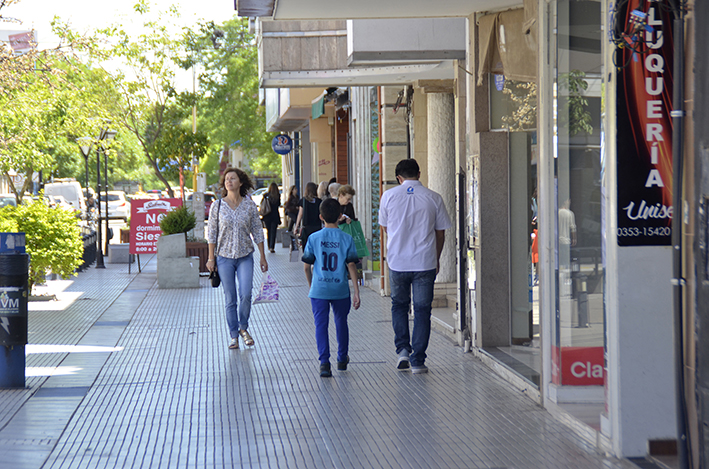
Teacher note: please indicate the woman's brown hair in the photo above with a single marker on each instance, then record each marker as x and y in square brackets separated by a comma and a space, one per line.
[246, 184]
[273, 192]
[311, 191]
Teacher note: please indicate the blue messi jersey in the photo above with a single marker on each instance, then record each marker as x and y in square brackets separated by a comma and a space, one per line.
[329, 251]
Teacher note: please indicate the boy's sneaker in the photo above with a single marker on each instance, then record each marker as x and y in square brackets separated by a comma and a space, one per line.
[325, 371]
[403, 363]
[342, 366]
[419, 369]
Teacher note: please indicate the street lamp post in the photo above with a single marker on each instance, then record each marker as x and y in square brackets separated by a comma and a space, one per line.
[85, 146]
[106, 134]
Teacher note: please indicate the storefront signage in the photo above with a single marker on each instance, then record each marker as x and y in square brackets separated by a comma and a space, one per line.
[577, 366]
[644, 132]
[145, 220]
[282, 144]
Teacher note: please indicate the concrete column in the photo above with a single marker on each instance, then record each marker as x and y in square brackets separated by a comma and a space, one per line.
[441, 170]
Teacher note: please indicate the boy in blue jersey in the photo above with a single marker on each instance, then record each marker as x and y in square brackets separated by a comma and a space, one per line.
[332, 253]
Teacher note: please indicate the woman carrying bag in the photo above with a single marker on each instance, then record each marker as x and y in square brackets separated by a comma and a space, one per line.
[237, 217]
[272, 219]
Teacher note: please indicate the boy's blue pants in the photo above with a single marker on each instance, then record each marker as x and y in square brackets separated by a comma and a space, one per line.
[321, 314]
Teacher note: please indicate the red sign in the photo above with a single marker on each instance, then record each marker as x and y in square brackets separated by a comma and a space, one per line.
[577, 366]
[145, 216]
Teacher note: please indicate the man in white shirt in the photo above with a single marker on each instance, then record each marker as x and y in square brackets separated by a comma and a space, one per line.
[414, 219]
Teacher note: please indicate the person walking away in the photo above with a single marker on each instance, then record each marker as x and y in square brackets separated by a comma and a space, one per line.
[273, 218]
[231, 249]
[414, 220]
[291, 207]
[333, 188]
[308, 221]
[332, 254]
[322, 192]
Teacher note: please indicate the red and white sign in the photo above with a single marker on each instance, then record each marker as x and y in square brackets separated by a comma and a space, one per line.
[145, 218]
[577, 366]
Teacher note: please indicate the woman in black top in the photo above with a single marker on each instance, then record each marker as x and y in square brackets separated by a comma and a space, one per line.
[308, 221]
[273, 218]
[291, 207]
[344, 196]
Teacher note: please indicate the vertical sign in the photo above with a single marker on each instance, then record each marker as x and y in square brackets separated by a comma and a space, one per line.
[145, 218]
[644, 125]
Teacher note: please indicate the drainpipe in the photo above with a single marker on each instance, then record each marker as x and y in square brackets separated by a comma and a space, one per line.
[678, 281]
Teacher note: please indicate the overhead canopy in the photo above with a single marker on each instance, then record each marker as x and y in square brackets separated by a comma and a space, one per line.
[327, 9]
[507, 45]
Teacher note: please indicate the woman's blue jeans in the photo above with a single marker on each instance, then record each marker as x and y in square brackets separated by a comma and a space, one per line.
[231, 270]
[402, 285]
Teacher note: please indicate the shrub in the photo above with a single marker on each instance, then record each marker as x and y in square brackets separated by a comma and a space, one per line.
[52, 237]
[179, 220]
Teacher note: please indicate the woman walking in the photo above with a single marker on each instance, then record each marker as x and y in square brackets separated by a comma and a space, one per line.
[291, 207]
[308, 221]
[273, 218]
[233, 223]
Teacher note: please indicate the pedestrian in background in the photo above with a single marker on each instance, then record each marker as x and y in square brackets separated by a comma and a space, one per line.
[291, 207]
[272, 219]
[332, 254]
[231, 250]
[322, 191]
[333, 188]
[414, 220]
[308, 221]
[344, 197]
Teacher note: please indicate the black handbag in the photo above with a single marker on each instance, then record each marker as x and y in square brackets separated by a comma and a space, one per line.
[214, 275]
[214, 278]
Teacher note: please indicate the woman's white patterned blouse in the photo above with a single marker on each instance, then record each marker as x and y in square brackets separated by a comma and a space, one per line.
[236, 228]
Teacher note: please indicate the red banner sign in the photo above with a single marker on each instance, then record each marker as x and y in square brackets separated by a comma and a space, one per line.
[145, 219]
[577, 366]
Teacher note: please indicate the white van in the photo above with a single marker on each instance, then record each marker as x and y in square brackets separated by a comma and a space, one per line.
[70, 190]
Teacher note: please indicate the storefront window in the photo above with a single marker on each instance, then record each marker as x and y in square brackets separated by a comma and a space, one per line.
[577, 332]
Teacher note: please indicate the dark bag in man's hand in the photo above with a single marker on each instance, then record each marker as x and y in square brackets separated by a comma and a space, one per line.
[214, 278]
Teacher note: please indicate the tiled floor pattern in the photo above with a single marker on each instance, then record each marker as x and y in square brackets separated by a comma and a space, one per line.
[174, 396]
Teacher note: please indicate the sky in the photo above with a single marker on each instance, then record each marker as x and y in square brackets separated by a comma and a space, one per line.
[84, 15]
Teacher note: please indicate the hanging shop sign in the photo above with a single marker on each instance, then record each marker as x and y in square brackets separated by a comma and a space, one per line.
[282, 144]
[145, 218]
[644, 126]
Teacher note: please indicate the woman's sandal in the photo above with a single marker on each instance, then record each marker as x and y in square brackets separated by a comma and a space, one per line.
[248, 340]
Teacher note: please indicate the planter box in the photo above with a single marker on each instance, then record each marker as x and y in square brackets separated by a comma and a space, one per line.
[201, 250]
[125, 235]
[175, 270]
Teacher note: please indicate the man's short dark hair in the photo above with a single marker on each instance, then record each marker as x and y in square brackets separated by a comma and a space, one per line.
[408, 168]
[330, 210]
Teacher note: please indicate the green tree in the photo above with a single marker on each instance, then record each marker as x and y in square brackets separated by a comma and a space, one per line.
[229, 108]
[52, 238]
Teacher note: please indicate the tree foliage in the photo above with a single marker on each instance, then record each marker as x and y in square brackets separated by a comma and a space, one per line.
[52, 238]
[229, 107]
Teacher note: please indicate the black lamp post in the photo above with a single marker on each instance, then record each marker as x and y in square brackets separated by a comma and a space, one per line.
[106, 134]
[85, 146]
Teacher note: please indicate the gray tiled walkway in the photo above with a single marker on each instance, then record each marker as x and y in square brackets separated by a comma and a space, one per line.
[152, 384]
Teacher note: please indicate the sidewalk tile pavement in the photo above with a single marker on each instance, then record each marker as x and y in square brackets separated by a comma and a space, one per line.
[124, 374]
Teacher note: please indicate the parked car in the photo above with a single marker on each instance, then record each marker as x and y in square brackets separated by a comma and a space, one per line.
[60, 202]
[209, 197]
[7, 199]
[118, 206]
[70, 190]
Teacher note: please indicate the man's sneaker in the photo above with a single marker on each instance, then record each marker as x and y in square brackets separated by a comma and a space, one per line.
[342, 366]
[234, 342]
[403, 363]
[419, 369]
[325, 370]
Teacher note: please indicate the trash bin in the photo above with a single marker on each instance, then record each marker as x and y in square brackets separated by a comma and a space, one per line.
[14, 292]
